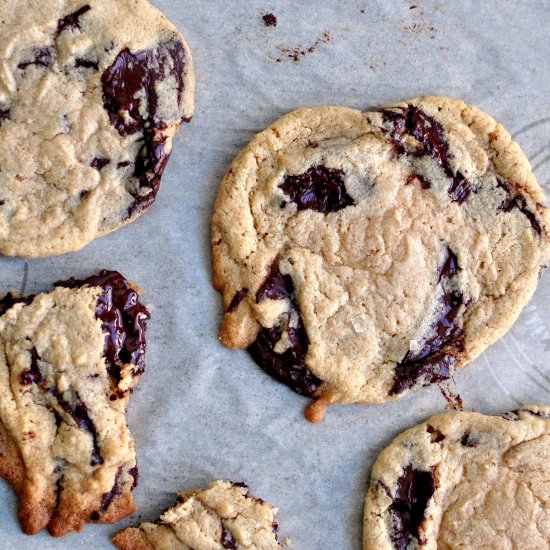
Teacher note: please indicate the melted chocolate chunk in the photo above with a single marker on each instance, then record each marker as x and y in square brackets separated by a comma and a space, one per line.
[107, 498]
[425, 184]
[276, 287]
[4, 115]
[34, 374]
[99, 163]
[237, 299]
[469, 441]
[289, 366]
[414, 491]
[514, 200]
[123, 318]
[449, 268]
[79, 413]
[270, 20]
[320, 188]
[72, 21]
[539, 414]
[134, 77]
[58, 471]
[227, 540]
[130, 96]
[510, 415]
[9, 300]
[150, 164]
[123, 82]
[42, 57]
[437, 358]
[430, 136]
[437, 436]
[427, 371]
[81, 63]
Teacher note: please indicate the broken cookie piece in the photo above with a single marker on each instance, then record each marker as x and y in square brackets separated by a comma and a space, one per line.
[463, 480]
[225, 515]
[69, 360]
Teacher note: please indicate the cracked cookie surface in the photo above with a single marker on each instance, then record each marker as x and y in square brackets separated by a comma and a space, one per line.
[463, 480]
[225, 515]
[92, 93]
[363, 255]
[69, 360]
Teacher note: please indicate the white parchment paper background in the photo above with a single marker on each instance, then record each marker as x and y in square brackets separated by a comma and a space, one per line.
[203, 412]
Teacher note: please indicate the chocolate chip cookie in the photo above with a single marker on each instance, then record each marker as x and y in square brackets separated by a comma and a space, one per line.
[364, 255]
[463, 480]
[91, 94]
[69, 360]
[225, 515]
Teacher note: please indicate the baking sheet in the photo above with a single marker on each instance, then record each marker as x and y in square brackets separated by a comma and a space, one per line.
[203, 412]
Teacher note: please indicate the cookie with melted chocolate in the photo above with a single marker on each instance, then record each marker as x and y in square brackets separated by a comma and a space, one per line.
[463, 480]
[364, 255]
[225, 515]
[69, 361]
[93, 93]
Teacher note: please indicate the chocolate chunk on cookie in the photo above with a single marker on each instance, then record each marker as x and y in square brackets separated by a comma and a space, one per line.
[225, 515]
[364, 255]
[481, 482]
[69, 361]
[92, 94]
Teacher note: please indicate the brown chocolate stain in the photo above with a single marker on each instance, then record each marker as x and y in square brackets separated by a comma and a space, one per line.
[454, 401]
[296, 54]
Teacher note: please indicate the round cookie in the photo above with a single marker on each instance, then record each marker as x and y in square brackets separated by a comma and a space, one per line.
[363, 255]
[69, 360]
[463, 480]
[91, 94]
[225, 515]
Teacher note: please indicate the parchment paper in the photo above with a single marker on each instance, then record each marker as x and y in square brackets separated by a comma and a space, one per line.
[203, 412]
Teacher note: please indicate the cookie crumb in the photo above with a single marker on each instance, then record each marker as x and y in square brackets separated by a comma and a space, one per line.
[316, 411]
[270, 20]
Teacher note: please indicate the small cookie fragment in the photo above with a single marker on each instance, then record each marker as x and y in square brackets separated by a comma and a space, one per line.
[92, 93]
[225, 515]
[69, 360]
[463, 480]
[362, 256]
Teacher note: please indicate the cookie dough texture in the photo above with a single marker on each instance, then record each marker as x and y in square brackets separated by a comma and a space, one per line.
[64, 444]
[463, 480]
[223, 516]
[91, 94]
[362, 255]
